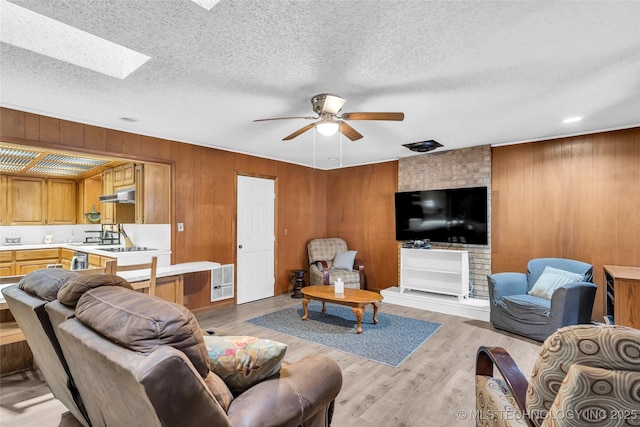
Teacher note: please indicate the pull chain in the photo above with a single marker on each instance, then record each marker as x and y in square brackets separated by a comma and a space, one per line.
[340, 146]
[314, 148]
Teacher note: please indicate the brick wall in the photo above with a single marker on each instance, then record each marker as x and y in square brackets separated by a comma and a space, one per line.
[468, 167]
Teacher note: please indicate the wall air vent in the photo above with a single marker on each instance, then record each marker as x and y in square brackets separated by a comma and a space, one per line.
[423, 146]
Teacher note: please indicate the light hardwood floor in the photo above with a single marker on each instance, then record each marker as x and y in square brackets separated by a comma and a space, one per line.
[433, 387]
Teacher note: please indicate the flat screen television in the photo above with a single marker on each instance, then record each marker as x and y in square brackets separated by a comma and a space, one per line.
[456, 215]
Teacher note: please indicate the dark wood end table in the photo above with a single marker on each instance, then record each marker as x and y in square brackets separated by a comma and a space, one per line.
[299, 283]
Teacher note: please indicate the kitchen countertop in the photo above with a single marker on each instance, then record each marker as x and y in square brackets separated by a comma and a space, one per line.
[169, 270]
[142, 275]
[80, 247]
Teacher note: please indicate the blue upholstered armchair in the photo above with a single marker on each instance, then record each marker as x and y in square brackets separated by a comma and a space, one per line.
[555, 292]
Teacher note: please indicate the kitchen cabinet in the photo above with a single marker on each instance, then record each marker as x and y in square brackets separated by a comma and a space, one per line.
[170, 288]
[30, 260]
[37, 201]
[3, 200]
[124, 176]
[96, 261]
[65, 258]
[61, 201]
[107, 210]
[152, 184]
[114, 213]
[27, 200]
[153, 194]
[6, 263]
[89, 191]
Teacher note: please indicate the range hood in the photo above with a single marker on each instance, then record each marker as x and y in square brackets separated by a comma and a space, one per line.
[120, 196]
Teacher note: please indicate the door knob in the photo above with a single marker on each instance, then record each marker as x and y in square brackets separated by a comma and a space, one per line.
[239, 246]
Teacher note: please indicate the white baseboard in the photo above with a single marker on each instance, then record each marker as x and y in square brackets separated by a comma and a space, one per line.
[471, 308]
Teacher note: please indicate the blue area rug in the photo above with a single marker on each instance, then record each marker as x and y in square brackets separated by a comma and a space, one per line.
[390, 342]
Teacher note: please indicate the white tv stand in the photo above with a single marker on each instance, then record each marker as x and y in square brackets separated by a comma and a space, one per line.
[437, 271]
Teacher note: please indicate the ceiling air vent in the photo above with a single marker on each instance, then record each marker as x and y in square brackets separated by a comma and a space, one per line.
[423, 146]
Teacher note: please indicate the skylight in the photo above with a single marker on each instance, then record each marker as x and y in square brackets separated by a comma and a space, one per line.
[26, 29]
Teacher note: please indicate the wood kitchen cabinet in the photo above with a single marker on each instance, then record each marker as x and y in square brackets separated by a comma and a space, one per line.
[65, 258]
[26, 201]
[107, 210]
[124, 176]
[3, 200]
[61, 201]
[30, 260]
[170, 288]
[96, 261]
[37, 201]
[89, 191]
[153, 194]
[6, 263]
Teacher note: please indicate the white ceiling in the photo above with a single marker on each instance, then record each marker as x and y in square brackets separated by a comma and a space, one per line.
[465, 73]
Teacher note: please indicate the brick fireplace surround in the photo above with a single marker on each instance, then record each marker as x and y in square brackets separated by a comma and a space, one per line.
[467, 167]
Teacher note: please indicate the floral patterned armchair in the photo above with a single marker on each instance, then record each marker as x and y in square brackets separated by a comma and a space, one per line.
[584, 375]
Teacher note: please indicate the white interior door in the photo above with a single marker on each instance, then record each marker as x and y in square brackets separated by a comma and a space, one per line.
[255, 239]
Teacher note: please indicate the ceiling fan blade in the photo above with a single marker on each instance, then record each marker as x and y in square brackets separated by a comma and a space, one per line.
[349, 132]
[299, 132]
[398, 117]
[287, 118]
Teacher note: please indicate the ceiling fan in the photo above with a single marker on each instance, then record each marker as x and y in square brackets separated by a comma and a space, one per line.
[329, 122]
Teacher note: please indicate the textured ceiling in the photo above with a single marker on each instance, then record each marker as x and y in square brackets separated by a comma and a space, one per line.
[464, 73]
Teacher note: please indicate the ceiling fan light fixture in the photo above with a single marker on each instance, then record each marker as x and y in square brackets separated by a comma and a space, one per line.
[328, 127]
[423, 146]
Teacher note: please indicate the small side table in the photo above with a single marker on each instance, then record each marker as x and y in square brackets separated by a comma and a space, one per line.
[299, 284]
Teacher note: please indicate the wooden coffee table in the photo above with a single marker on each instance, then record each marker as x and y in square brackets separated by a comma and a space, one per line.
[357, 299]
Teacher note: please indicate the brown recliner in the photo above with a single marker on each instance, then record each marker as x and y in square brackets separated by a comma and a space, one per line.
[28, 302]
[139, 360]
[28, 308]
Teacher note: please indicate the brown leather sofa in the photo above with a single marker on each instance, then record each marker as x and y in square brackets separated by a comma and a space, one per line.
[137, 360]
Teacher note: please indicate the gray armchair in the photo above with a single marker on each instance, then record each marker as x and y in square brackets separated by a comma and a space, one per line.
[514, 309]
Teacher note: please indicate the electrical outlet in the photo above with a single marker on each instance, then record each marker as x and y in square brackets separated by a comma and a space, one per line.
[180, 227]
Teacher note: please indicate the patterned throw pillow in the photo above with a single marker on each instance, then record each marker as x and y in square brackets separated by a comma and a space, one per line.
[551, 279]
[243, 361]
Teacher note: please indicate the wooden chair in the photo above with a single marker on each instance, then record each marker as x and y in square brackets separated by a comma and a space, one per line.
[151, 283]
[108, 268]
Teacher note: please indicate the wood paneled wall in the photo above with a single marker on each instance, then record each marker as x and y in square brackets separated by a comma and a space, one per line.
[204, 185]
[573, 198]
[360, 209]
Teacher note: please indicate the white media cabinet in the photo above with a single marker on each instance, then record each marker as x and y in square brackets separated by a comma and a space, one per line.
[437, 271]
